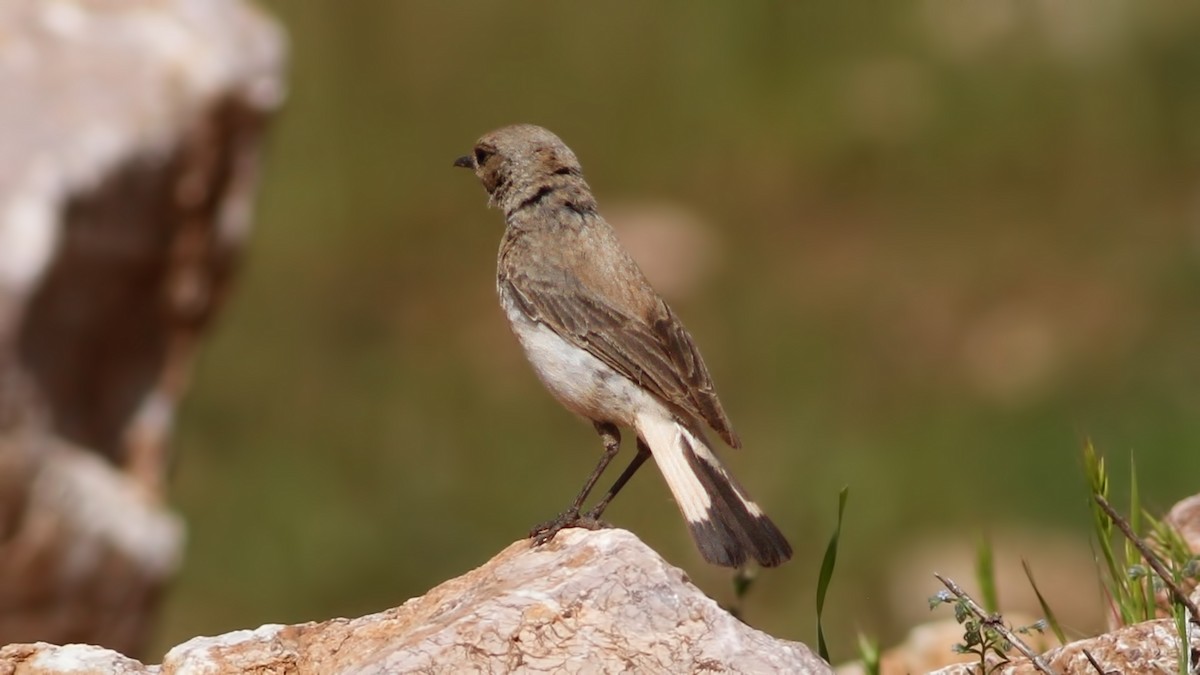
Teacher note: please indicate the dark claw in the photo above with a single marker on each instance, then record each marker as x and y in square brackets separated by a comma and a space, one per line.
[544, 533]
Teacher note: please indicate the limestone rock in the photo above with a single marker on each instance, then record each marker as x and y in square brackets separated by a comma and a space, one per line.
[588, 602]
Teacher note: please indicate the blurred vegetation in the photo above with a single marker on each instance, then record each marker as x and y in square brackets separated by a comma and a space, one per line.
[952, 240]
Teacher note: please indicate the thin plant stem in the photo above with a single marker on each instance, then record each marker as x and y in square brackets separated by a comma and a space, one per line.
[992, 622]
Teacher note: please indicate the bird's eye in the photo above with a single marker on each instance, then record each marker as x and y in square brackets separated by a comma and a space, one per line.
[481, 156]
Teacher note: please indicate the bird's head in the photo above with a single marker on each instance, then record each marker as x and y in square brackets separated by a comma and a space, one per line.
[515, 162]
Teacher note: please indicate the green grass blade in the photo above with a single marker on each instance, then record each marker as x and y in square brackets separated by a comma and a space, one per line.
[1141, 590]
[826, 575]
[1051, 620]
[1179, 613]
[985, 575]
[1117, 577]
[868, 653]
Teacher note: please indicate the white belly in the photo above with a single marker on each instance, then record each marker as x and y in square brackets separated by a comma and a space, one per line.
[581, 382]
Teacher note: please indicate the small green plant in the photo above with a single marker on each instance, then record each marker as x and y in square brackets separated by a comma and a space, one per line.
[1152, 574]
[985, 634]
[1128, 599]
[826, 574]
[1158, 570]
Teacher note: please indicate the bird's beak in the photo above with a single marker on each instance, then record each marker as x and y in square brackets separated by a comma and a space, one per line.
[466, 162]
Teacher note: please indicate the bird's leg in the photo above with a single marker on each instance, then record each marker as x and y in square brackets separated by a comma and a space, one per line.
[643, 454]
[611, 437]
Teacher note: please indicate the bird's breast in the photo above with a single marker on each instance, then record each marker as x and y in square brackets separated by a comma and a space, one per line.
[583, 383]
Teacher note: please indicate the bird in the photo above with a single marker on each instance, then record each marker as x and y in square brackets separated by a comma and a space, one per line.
[609, 348]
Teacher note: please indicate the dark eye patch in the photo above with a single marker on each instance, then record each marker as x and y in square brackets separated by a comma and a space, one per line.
[481, 156]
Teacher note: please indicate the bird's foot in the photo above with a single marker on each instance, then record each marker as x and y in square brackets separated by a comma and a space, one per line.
[545, 532]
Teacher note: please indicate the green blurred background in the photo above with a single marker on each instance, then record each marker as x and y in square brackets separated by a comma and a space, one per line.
[926, 249]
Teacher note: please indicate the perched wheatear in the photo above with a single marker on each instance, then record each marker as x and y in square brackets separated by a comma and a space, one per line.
[608, 347]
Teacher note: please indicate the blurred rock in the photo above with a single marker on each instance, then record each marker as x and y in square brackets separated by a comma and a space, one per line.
[672, 245]
[1011, 352]
[1079, 35]
[1062, 563]
[931, 646]
[129, 136]
[76, 659]
[87, 556]
[1185, 517]
[1074, 34]
[888, 100]
[968, 31]
[588, 602]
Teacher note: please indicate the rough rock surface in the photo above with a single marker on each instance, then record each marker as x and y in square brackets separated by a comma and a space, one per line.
[129, 135]
[588, 602]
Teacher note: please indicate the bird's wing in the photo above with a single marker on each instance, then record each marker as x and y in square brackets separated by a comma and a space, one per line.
[656, 353]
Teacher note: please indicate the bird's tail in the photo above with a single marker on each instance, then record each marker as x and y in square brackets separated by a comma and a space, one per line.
[728, 526]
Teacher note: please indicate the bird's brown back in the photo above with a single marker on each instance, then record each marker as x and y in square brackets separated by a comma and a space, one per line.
[567, 270]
